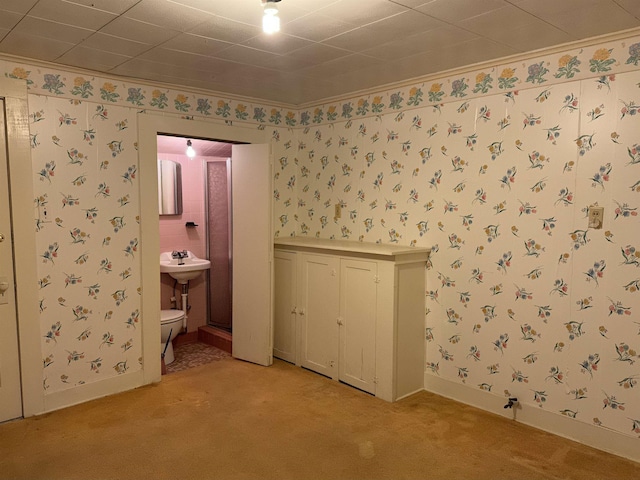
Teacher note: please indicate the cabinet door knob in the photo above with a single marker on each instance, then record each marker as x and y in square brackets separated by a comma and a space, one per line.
[294, 310]
[340, 321]
[301, 312]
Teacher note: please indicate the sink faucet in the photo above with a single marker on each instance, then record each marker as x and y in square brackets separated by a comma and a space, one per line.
[180, 256]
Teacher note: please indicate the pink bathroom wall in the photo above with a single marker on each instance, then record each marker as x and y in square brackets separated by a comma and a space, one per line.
[174, 235]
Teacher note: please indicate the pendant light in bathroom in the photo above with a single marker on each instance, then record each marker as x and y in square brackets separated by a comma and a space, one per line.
[190, 151]
[270, 20]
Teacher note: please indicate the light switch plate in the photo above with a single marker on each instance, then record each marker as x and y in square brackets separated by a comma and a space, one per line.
[338, 212]
[596, 217]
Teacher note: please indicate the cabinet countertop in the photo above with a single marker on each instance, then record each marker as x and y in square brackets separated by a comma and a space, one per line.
[350, 246]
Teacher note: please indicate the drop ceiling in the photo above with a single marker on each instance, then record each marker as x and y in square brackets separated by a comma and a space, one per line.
[326, 48]
[204, 148]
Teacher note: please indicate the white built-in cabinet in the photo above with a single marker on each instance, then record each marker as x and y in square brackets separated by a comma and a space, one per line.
[352, 311]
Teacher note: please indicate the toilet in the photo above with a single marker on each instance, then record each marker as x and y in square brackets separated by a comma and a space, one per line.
[170, 324]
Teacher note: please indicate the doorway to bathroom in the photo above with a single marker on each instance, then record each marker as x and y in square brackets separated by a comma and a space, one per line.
[252, 238]
[205, 205]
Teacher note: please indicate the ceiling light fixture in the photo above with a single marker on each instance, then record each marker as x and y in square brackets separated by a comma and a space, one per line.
[190, 151]
[270, 20]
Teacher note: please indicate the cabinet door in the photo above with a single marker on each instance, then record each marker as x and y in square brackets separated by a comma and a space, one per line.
[318, 313]
[284, 322]
[358, 295]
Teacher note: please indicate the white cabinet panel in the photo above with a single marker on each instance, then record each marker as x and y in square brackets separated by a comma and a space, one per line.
[318, 313]
[286, 297]
[357, 321]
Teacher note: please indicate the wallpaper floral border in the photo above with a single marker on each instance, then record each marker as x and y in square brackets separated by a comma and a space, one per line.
[602, 61]
[108, 91]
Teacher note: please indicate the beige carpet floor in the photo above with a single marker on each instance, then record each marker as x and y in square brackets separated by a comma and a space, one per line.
[233, 420]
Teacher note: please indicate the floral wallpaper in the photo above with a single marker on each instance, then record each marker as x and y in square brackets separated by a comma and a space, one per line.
[495, 170]
[109, 91]
[86, 214]
[524, 298]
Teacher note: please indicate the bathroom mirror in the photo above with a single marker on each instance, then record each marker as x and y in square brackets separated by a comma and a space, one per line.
[169, 187]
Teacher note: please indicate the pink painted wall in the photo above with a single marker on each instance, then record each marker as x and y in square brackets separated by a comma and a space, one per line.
[174, 235]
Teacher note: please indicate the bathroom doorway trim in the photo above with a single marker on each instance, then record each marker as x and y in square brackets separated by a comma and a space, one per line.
[150, 125]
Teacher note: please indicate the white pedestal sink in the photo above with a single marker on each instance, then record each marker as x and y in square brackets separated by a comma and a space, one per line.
[184, 269]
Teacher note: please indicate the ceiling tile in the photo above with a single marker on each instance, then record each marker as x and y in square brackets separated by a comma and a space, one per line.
[600, 17]
[250, 56]
[112, 6]
[531, 36]
[180, 59]
[164, 13]
[454, 11]
[288, 11]
[71, 14]
[497, 19]
[401, 26]
[289, 63]
[110, 43]
[631, 6]
[341, 65]
[226, 30]
[9, 19]
[187, 42]
[280, 43]
[319, 53]
[243, 11]
[18, 6]
[413, 3]
[58, 31]
[138, 31]
[354, 40]
[92, 59]
[473, 51]
[546, 9]
[31, 46]
[372, 76]
[353, 12]
[430, 41]
[250, 11]
[142, 68]
[316, 27]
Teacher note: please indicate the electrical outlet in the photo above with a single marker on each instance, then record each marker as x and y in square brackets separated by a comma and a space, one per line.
[596, 216]
[338, 212]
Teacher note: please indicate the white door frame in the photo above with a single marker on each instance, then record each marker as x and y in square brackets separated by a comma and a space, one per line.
[149, 126]
[14, 93]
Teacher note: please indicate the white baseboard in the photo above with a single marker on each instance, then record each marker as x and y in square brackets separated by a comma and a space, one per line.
[591, 435]
[91, 391]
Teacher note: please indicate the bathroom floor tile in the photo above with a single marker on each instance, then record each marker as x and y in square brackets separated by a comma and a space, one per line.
[193, 355]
